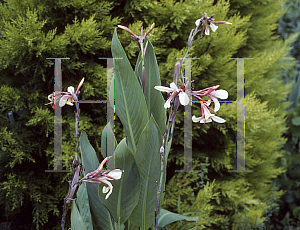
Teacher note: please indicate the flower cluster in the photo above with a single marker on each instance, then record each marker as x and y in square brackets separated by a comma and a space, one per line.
[212, 93]
[205, 23]
[103, 176]
[184, 98]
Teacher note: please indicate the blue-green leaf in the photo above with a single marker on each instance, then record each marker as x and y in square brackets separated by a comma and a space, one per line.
[82, 201]
[99, 212]
[165, 217]
[147, 158]
[126, 190]
[76, 219]
[154, 99]
[107, 138]
[130, 103]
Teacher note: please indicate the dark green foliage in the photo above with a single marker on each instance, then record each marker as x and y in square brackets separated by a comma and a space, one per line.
[82, 30]
[31, 31]
[288, 213]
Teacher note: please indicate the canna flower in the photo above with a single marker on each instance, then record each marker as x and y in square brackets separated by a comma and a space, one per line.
[68, 97]
[210, 23]
[206, 115]
[222, 94]
[211, 26]
[212, 93]
[103, 176]
[174, 90]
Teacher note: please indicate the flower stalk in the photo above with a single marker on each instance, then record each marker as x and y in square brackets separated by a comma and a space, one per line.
[181, 96]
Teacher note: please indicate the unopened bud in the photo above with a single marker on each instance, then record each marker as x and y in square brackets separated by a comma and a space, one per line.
[151, 28]
[72, 159]
[74, 165]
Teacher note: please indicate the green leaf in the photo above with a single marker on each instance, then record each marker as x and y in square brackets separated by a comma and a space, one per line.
[131, 226]
[154, 99]
[119, 227]
[147, 158]
[107, 138]
[165, 217]
[90, 162]
[82, 202]
[130, 103]
[126, 190]
[76, 219]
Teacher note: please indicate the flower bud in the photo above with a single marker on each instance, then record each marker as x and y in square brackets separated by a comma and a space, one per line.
[74, 165]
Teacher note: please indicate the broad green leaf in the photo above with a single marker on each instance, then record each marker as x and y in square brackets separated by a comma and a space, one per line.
[154, 99]
[147, 158]
[82, 201]
[119, 226]
[138, 68]
[131, 226]
[165, 217]
[107, 138]
[126, 190]
[99, 212]
[76, 219]
[130, 103]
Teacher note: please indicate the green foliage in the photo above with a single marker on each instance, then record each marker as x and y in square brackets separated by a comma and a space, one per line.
[32, 31]
[250, 35]
[287, 215]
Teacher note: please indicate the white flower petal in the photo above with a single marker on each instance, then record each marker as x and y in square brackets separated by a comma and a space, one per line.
[105, 189]
[218, 119]
[197, 22]
[184, 98]
[207, 30]
[116, 173]
[205, 121]
[223, 94]
[213, 27]
[207, 114]
[173, 86]
[196, 119]
[163, 88]
[63, 100]
[168, 103]
[217, 104]
[71, 89]
[208, 102]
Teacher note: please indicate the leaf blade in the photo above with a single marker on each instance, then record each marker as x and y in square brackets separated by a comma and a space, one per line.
[130, 103]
